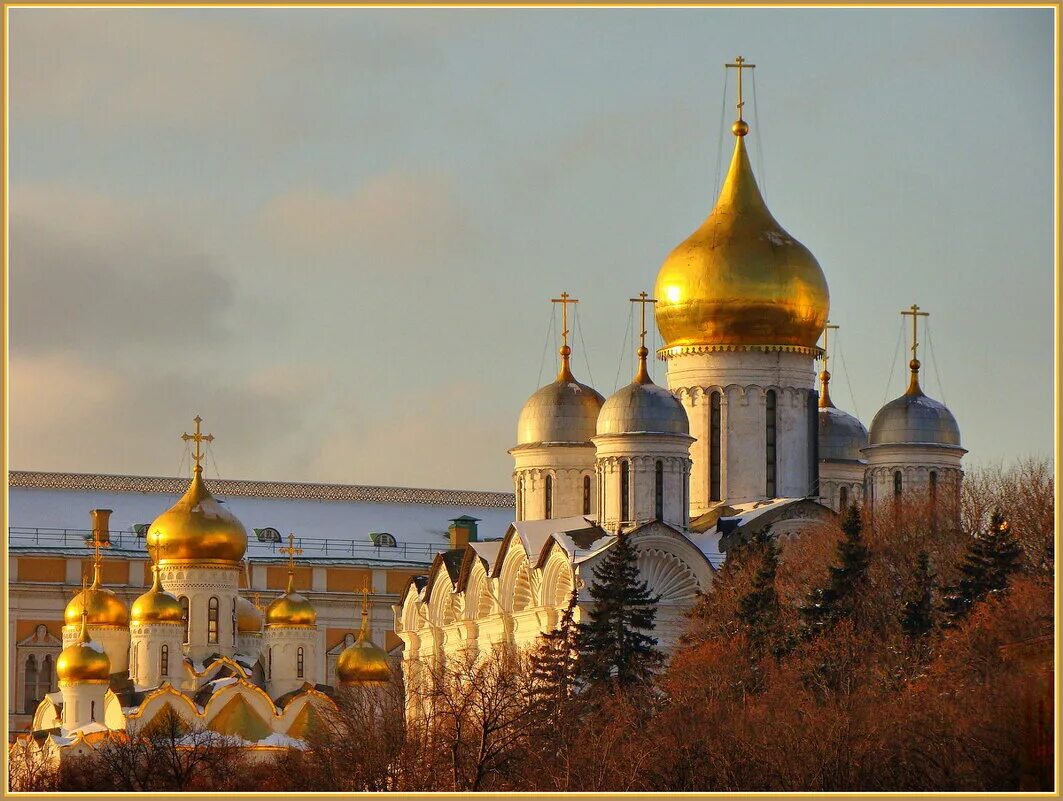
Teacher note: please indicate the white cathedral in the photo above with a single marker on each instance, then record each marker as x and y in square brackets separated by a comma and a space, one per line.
[738, 442]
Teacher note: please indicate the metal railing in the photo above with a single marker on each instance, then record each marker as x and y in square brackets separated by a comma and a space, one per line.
[322, 547]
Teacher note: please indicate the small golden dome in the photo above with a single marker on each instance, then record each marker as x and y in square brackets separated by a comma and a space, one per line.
[83, 660]
[248, 616]
[291, 609]
[156, 605]
[100, 605]
[740, 280]
[363, 662]
[198, 529]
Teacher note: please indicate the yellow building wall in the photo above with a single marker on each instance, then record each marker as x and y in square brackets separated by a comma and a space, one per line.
[36, 568]
[347, 579]
[277, 577]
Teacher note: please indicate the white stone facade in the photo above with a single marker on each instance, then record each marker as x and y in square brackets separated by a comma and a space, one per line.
[291, 657]
[568, 470]
[743, 379]
[201, 584]
[638, 455]
[841, 484]
[915, 473]
[156, 654]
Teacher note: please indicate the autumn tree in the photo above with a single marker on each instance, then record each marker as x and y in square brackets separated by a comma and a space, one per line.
[838, 599]
[918, 613]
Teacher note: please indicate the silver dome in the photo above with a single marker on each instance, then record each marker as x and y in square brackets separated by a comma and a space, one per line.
[643, 407]
[564, 411]
[841, 435]
[914, 418]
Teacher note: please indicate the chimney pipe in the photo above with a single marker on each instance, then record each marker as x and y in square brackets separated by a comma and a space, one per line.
[462, 531]
[101, 532]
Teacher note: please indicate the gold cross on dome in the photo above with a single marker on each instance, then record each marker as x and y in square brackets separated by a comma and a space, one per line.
[915, 313]
[643, 299]
[564, 300]
[291, 551]
[826, 341]
[740, 64]
[198, 438]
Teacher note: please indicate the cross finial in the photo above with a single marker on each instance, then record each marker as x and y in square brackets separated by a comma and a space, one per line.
[291, 551]
[740, 127]
[198, 438]
[643, 376]
[364, 633]
[566, 351]
[915, 313]
[824, 377]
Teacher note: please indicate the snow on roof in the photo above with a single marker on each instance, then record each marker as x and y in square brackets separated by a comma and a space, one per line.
[534, 533]
[709, 544]
[278, 738]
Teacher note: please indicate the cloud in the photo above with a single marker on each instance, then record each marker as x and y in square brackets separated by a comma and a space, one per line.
[393, 220]
[96, 275]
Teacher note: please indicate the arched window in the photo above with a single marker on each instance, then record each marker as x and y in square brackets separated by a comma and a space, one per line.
[184, 615]
[549, 507]
[269, 664]
[897, 485]
[92, 710]
[586, 495]
[31, 684]
[933, 500]
[45, 679]
[843, 499]
[520, 498]
[164, 661]
[299, 662]
[625, 487]
[659, 491]
[212, 620]
[769, 440]
[715, 448]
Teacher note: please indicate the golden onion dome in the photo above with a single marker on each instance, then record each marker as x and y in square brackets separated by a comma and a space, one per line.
[198, 529]
[363, 662]
[83, 660]
[291, 609]
[156, 605]
[740, 280]
[98, 604]
[248, 616]
[562, 411]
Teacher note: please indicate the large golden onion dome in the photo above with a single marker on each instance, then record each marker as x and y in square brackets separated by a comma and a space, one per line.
[741, 281]
[248, 616]
[84, 660]
[363, 662]
[198, 529]
[291, 609]
[98, 604]
[156, 605]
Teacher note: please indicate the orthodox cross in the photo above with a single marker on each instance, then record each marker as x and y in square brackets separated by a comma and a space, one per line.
[292, 552]
[643, 299]
[198, 438]
[740, 64]
[365, 598]
[564, 300]
[826, 340]
[915, 314]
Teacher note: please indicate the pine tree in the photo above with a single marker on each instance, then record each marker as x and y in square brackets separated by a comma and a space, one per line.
[838, 600]
[553, 665]
[614, 648]
[917, 617]
[758, 609]
[991, 558]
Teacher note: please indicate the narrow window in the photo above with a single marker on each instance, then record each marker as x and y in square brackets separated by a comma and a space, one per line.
[897, 482]
[769, 437]
[586, 495]
[843, 499]
[269, 664]
[31, 684]
[164, 661]
[212, 620]
[46, 674]
[624, 489]
[92, 710]
[299, 662]
[714, 448]
[686, 488]
[520, 498]
[933, 500]
[184, 615]
[659, 491]
[549, 496]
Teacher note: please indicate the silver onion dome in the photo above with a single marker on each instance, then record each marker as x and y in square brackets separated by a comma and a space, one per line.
[643, 407]
[562, 411]
[914, 418]
[841, 435]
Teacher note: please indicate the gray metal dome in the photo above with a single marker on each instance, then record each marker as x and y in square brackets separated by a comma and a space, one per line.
[643, 407]
[913, 418]
[841, 435]
[564, 411]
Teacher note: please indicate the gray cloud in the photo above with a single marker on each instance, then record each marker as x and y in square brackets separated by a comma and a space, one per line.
[93, 275]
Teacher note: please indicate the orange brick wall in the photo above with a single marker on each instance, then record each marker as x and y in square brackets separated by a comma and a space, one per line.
[114, 571]
[397, 579]
[277, 577]
[24, 628]
[41, 569]
[347, 579]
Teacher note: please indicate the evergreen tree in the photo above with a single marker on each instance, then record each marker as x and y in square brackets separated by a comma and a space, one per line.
[553, 665]
[758, 609]
[917, 617]
[838, 600]
[991, 558]
[614, 648]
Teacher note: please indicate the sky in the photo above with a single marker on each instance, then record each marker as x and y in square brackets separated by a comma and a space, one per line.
[334, 233]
